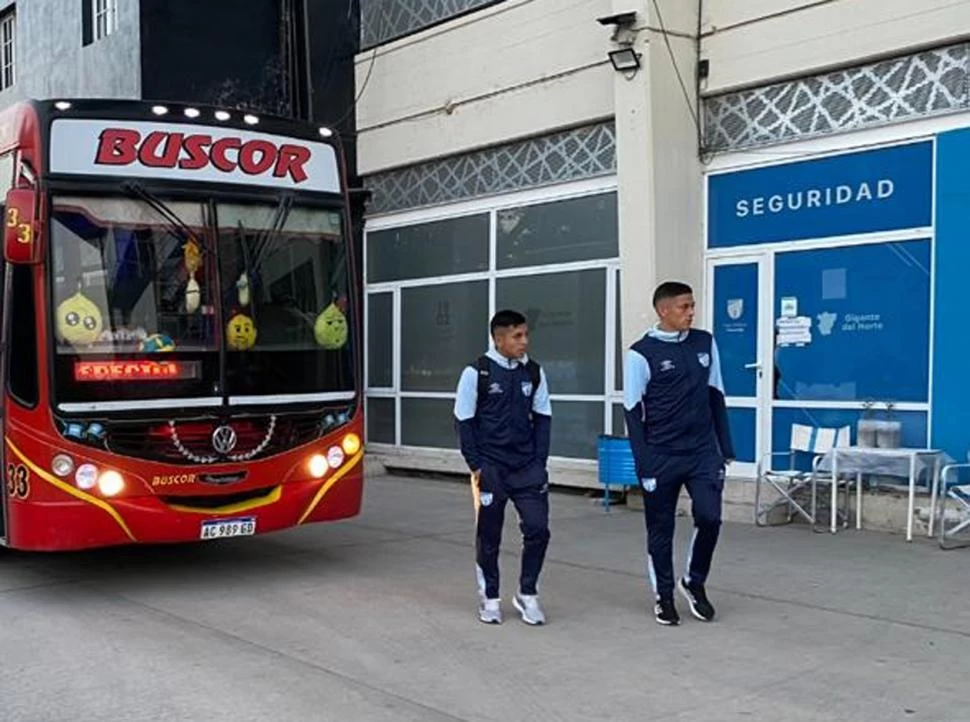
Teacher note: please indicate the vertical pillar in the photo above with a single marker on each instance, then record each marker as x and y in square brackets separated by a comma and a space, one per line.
[658, 171]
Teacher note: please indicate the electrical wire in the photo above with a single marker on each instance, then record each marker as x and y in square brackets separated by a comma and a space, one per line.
[673, 61]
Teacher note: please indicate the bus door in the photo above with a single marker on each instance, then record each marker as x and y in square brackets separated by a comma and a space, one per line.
[3, 410]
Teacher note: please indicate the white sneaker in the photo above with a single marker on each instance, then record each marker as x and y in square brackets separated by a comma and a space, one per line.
[490, 611]
[528, 606]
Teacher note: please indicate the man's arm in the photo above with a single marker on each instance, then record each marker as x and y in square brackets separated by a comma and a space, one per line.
[542, 418]
[636, 376]
[466, 403]
[715, 388]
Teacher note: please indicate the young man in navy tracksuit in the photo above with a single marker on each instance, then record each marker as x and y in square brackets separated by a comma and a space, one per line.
[677, 422]
[504, 419]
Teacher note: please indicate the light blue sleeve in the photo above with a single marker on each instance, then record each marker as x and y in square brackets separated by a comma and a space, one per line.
[540, 401]
[466, 400]
[636, 376]
[715, 380]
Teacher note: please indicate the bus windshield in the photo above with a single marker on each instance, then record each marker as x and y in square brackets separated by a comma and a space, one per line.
[188, 304]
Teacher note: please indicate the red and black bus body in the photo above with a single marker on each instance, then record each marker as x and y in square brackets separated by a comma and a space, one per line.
[181, 346]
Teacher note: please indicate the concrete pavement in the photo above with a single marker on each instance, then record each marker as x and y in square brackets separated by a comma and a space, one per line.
[374, 619]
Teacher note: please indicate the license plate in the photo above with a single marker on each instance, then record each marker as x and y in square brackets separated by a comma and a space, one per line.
[225, 528]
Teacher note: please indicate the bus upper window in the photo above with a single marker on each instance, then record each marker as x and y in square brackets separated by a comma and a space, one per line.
[22, 361]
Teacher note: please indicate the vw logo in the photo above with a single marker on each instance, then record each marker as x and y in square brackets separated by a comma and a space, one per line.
[224, 439]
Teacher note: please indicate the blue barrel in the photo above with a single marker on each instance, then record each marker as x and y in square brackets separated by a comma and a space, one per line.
[615, 461]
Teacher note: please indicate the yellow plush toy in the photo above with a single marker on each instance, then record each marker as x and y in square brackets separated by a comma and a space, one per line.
[79, 321]
[330, 328]
[241, 333]
[193, 259]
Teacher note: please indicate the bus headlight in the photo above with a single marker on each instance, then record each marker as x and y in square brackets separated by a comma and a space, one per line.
[351, 444]
[318, 466]
[110, 483]
[335, 457]
[86, 476]
[62, 465]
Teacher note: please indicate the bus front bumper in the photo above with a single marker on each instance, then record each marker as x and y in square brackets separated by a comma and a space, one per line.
[71, 522]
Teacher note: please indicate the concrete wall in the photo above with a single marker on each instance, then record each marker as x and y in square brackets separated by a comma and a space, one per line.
[512, 70]
[758, 41]
[51, 62]
[659, 173]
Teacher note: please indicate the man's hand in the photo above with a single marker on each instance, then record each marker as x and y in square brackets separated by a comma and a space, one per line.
[476, 477]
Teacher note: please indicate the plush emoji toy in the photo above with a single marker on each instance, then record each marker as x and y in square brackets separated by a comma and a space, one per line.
[241, 333]
[330, 328]
[79, 321]
[242, 289]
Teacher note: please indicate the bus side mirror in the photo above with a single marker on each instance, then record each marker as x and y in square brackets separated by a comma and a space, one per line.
[20, 243]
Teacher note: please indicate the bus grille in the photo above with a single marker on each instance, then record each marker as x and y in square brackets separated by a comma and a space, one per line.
[256, 438]
[218, 501]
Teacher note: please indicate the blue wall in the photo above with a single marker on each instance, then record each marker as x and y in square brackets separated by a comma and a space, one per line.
[951, 357]
[876, 346]
[864, 308]
[754, 206]
[862, 192]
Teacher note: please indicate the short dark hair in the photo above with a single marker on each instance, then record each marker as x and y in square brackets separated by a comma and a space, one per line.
[506, 319]
[670, 289]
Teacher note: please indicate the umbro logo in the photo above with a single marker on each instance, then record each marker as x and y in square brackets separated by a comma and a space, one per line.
[667, 365]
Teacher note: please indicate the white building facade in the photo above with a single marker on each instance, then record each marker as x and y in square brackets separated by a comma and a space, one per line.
[796, 162]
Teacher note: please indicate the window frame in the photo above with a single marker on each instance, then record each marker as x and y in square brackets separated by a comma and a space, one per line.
[104, 14]
[8, 41]
[611, 266]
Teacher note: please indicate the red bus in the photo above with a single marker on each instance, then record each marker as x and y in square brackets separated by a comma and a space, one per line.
[181, 340]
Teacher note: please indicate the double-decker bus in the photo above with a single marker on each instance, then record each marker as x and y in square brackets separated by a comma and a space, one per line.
[180, 333]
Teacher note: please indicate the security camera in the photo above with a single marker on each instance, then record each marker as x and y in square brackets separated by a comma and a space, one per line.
[620, 19]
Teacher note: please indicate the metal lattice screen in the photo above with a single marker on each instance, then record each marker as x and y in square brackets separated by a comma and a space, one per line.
[383, 20]
[926, 83]
[571, 155]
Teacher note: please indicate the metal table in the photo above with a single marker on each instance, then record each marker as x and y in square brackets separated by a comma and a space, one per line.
[901, 462]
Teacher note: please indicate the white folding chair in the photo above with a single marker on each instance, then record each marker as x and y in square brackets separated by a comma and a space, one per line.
[790, 482]
[953, 532]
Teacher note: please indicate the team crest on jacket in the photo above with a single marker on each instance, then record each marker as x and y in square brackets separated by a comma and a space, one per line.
[705, 359]
[527, 388]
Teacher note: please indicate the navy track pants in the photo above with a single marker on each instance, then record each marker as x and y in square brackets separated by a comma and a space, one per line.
[528, 490]
[703, 475]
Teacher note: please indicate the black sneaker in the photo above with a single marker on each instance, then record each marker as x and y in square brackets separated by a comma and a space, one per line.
[695, 595]
[666, 613]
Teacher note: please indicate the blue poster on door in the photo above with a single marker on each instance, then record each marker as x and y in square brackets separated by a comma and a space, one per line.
[736, 326]
[866, 192]
[852, 323]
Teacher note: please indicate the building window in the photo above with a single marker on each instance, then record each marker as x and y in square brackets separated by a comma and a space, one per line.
[434, 281]
[105, 18]
[100, 19]
[8, 42]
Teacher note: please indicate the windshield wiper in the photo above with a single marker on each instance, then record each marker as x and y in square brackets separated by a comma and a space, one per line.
[262, 245]
[137, 190]
[268, 237]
